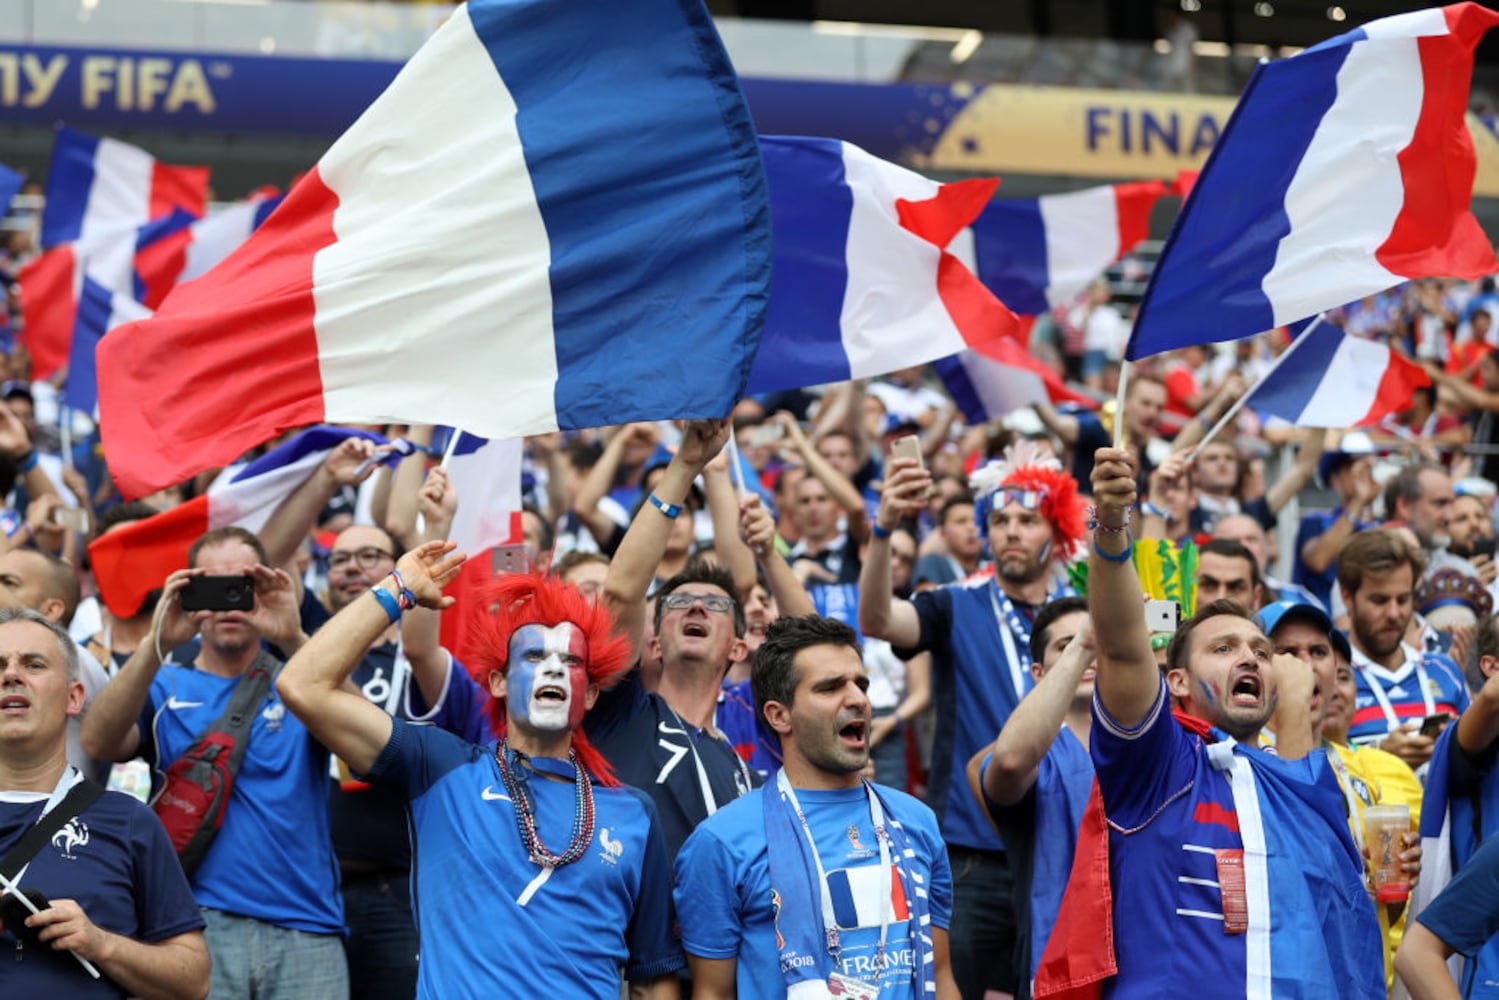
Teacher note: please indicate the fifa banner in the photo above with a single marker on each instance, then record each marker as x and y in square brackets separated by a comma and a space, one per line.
[960, 127]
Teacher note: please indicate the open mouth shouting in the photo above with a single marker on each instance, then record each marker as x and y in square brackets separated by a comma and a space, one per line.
[553, 693]
[855, 734]
[695, 629]
[1247, 688]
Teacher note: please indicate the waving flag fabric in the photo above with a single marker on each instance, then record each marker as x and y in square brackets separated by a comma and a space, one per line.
[1343, 171]
[99, 311]
[198, 248]
[131, 561]
[52, 282]
[555, 217]
[96, 186]
[1334, 380]
[1037, 253]
[864, 283]
[486, 476]
[990, 381]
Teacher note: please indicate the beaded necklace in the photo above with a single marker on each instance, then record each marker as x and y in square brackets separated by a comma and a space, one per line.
[525, 811]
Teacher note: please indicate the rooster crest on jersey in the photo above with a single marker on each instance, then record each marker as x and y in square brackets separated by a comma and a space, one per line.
[1037, 480]
[519, 599]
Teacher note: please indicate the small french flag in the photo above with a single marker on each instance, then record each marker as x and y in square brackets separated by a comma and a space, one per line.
[96, 186]
[858, 896]
[1038, 253]
[1334, 380]
[1343, 171]
[864, 283]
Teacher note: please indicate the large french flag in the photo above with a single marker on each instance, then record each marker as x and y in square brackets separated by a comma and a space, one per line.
[1333, 380]
[554, 217]
[131, 561]
[99, 311]
[1343, 171]
[1038, 253]
[197, 249]
[118, 260]
[993, 379]
[864, 283]
[96, 186]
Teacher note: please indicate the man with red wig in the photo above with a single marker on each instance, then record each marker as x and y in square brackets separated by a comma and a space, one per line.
[531, 839]
[978, 633]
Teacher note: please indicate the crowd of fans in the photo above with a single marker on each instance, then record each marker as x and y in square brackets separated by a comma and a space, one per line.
[718, 639]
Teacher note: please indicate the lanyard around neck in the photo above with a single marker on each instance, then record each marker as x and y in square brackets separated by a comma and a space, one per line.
[1011, 627]
[829, 916]
[710, 801]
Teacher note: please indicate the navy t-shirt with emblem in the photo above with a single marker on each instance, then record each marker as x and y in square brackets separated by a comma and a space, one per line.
[115, 861]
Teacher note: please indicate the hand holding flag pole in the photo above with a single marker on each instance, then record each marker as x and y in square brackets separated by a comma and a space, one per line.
[9, 888]
[1233, 411]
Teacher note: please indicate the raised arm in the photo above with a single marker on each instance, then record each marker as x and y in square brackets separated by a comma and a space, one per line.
[421, 626]
[1211, 413]
[1479, 726]
[600, 479]
[1032, 728]
[1287, 486]
[881, 614]
[298, 513]
[634, 565]
[723, 507]
[844, 493]
[311, 684]
[17, 444]
[757, 529]
[405, 485]
[1321, 552]
[1128, 679]
[110, 728]
[1063, 425]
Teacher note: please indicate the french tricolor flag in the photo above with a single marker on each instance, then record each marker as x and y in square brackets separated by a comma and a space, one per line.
[1038, 253]
[864, 283]
[131, 561]
[52, 283]
[96, 186]
[99, 311]
[1343, 171]
[199, 247]
[554, 217]
[989, 381]
[1330, 379]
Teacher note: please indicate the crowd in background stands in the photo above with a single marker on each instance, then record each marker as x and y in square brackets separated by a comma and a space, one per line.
[818, 460]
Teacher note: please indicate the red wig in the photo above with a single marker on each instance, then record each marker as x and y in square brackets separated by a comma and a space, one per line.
[1025, 467]
[515, 600]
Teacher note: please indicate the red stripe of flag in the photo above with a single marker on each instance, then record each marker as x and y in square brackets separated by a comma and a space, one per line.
[153, 441]
[178, 187]
[49, 306]
[1435, 232]
[1133, 203]
[1399, 384]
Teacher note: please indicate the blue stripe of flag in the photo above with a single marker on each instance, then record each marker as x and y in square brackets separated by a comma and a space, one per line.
[10, 186]
[810, 205]
[1207, 283]
[1010, 250]
[1287, 390]
[309, 441]
[672, 130]
[95, 304]
[70, 177]
[154, 231]
[954, 375]
[265, 208]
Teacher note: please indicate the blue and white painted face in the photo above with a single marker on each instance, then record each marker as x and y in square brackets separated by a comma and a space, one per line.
[547, 683]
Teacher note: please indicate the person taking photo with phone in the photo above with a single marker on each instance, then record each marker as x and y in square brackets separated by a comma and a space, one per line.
[268, 884]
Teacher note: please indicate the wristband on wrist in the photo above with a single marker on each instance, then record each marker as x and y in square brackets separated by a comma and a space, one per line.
[1122, 557]
[879, 532]
[388, 602]
[1109, 529]
[1151, 510]
[407, 596]
[671, 510]
[28, 462]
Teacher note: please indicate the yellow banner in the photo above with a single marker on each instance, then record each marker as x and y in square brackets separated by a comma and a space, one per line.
[1079, 132]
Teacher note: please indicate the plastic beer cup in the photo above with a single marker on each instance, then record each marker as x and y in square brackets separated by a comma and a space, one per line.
[1383, 827]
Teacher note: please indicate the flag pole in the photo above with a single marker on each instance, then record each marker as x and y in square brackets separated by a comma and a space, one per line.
[65, 435]
[452, 446]
[736, 471]
[1233, 411]
[1119, 404]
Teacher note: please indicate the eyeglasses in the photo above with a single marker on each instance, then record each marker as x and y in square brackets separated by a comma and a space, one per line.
[367, 558]
[678, 601]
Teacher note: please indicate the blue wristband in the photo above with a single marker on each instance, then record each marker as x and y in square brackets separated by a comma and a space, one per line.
[388, 602]
[1122, 557]
[671, 510]
[877, 531]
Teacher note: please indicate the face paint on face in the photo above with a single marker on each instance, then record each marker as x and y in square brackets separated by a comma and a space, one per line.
[1208, 695]
[548, 679]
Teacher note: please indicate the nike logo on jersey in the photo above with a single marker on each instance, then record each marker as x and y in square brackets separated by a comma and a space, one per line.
[490, 795]
[174, 704]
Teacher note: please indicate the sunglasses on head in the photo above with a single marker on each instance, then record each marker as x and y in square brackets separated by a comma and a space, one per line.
[1028, 499]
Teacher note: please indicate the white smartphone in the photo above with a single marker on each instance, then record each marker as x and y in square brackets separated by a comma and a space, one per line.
[1162, 616]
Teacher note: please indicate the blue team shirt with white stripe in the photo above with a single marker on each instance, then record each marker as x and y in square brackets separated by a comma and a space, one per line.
[495, 924]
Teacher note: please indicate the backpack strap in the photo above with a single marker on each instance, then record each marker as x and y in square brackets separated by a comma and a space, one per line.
[254, 684]
[79, 797]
